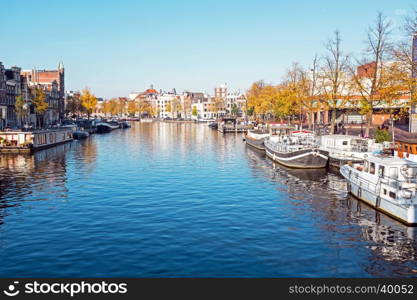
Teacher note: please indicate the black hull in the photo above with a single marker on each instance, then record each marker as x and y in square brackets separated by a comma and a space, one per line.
[103, 129]
[339, 162]
[258, 144]
[301, 159]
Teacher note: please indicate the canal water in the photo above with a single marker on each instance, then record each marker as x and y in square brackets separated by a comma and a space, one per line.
[181, 200]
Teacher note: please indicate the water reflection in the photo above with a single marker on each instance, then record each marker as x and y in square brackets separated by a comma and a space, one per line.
[183, 200]
[325, 193]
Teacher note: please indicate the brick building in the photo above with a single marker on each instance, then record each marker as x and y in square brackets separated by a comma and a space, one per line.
[53, 84]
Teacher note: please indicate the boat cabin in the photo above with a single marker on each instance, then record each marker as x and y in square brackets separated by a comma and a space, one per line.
[388, 167]
[406, 148]
[348, 143]
[280, 129]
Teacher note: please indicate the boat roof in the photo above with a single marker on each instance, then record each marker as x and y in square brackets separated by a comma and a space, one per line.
[342, 137]
[406, 140]
[386, 159]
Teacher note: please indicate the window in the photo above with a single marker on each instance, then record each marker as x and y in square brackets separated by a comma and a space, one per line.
[392, 195]
[366, 166]
[385, 191]
[344, 143]
[372, 168]
[381, 171]
[393, 173]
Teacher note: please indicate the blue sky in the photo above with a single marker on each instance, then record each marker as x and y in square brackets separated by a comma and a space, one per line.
[115, 47]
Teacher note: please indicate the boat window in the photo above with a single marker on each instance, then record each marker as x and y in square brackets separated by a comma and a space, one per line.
[385, 191]
[366, 166]
[393, 173]
[381, 171]
[406, 148]
[372, 168]
[344, 143]
[392, 195]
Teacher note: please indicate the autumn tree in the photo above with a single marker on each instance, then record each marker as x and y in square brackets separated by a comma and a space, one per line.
[20, 108]
[73, 105]
[175, 106]
[369, 85]
[132, 108]
[402, 54]
[40, 104]
[393, 87]
[333, 75]
[194, 111]
[252, 96]
[88, 101]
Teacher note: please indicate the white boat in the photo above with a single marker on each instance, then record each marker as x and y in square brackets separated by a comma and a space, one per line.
[146, 120]
[386, 183]
[299, 149]
[255, 138]
[31, 141]
[347, 148]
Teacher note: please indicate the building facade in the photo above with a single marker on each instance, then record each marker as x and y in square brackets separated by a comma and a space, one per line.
[52, 82]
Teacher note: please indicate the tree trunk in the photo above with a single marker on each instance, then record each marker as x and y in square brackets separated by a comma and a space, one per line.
[310, 119]
[333, 121]
[368, 123]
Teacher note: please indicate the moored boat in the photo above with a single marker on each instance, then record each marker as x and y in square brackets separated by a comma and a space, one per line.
[31, 141]
[231, 125]
[386, 183]
[80, 134]
[299, 149]
[124, 125]
[255, 138]
[213, 125]
[103, 127]
[347, 148]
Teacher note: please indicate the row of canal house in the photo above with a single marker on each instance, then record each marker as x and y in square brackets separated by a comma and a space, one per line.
[15, 82]
[206, 107]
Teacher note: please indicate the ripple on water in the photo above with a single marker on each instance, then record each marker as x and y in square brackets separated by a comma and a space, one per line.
[182, 200]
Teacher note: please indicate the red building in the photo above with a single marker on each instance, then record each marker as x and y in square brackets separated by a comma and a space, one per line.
[53, 83]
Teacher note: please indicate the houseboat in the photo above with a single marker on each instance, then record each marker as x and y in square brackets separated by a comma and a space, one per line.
[298, 149]
[386, 183]
[347, 148]
[104, 127]
[231, 125]
[255, 138]
[31, 141]
[78, 133]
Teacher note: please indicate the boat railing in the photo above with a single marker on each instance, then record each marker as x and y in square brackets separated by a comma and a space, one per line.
[371, 186]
